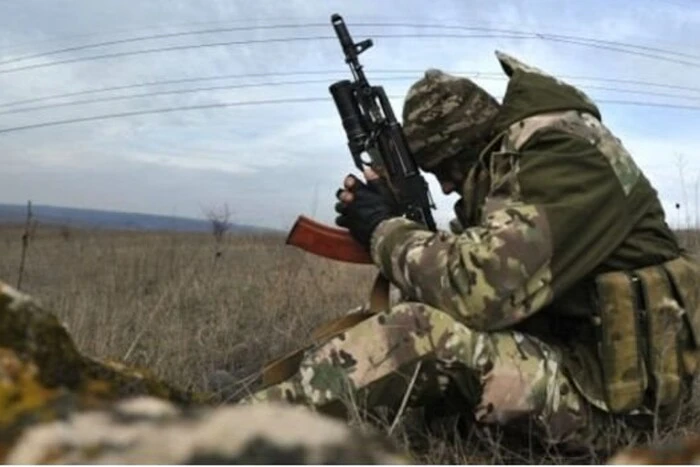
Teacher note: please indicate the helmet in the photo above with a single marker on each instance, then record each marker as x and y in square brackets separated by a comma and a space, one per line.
[443, 115]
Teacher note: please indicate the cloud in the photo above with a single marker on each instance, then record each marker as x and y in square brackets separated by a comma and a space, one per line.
[274, 161]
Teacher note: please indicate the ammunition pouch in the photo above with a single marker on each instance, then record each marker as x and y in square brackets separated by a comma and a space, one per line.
[647, 322]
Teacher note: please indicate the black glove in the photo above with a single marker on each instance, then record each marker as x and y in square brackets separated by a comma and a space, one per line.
[371, 204]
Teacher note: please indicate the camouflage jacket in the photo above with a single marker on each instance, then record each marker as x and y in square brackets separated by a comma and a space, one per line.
[553, 201]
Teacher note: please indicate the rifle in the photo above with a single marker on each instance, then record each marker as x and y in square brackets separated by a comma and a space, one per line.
[371, 127]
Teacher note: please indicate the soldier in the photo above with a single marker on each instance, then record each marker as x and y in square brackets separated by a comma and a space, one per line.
[559, 303]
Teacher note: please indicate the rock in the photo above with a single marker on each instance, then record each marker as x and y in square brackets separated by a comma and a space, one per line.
[35, 335]
[151, 431]
[58, 406]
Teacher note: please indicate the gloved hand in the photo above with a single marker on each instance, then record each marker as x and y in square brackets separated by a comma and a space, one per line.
[363, 206]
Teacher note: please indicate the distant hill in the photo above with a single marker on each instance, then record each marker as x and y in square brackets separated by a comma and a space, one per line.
[92, 218]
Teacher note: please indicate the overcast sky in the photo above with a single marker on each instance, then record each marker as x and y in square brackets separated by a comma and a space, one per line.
[271, 162]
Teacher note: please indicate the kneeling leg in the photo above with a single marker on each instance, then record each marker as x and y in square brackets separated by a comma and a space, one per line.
[506, 377]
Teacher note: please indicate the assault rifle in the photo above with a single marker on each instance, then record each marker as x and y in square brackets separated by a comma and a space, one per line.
[371, 127]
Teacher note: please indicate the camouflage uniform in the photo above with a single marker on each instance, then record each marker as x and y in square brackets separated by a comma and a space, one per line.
[499, 311]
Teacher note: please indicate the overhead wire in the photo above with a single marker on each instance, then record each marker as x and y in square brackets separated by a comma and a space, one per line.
[539, 35]
[605, 45]
[163, 49]
[166, 82]
[634, 49]
[161, 111]
[282, 83]
[506, 31]
[295, 100]
[472, 74]
[62, 38]
[171, 35]
[172, 92]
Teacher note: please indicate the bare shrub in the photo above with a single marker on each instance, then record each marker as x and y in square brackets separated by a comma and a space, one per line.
[65, 232]
[220, 220]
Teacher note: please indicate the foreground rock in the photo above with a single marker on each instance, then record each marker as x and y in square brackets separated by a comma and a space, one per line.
[58, 406]
[149, 430]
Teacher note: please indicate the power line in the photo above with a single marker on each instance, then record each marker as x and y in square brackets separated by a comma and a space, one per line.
[609, 45]
[542, 35]
[157, 36]
[632, 81]
[272, 102]
[589, 43]
[62, 38]
[637, 91]
[161, 111]
[279, 83]
[165, 82]
[172, 92]
[164, 49]
[472, 74]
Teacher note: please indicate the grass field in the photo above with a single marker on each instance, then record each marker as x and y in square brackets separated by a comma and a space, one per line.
[166, 302]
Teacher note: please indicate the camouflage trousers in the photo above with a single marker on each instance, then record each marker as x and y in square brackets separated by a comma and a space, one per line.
[416, 354]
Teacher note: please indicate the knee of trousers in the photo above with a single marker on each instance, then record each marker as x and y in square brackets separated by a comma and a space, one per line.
[524, 380]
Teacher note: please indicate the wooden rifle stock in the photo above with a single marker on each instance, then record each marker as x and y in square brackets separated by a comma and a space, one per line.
[329, 242]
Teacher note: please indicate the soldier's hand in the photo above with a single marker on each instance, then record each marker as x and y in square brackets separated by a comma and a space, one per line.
[363, 206]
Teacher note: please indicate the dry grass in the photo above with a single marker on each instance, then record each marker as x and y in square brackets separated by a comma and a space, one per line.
[166, 302]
